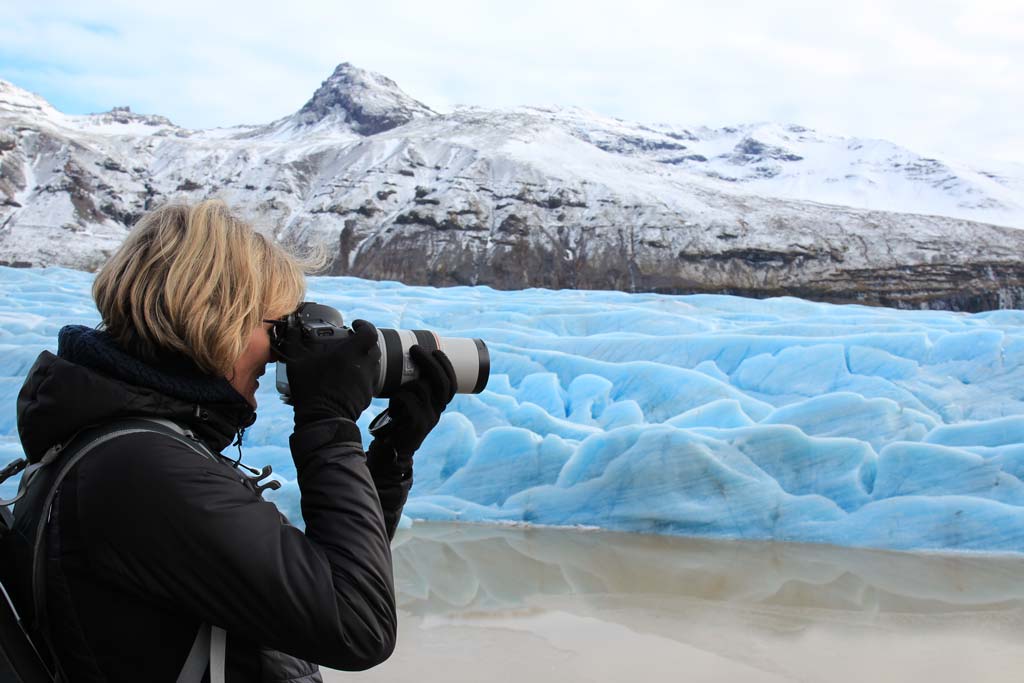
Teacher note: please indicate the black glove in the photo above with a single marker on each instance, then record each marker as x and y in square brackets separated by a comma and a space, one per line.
[332, 378]
[416, 406]
[413, 411]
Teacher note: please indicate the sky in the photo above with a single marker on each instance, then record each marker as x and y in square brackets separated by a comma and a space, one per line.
[942, 78]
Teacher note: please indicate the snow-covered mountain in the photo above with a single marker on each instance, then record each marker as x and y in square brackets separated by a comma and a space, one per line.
[521, 197]
[794, 162]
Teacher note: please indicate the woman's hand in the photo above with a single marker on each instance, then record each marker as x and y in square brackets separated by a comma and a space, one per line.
[413, 411]
[334, 378]
[416, 406]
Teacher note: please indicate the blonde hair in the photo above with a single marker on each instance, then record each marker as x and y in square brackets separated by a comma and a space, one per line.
[195, 280]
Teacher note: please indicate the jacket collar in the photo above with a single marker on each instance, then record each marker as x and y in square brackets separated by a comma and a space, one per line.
[93, 380]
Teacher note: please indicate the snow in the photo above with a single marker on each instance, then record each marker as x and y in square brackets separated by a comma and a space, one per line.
[690, 415]
[801, 164]
[762, 186]
[15, 100]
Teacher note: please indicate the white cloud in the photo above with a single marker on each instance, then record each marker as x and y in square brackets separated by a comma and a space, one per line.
[940, 77]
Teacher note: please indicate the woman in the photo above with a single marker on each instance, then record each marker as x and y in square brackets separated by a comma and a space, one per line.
[148, 540]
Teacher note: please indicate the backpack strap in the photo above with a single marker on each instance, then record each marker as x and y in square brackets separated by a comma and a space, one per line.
[218, 654]
[198, 656]
[210, 646]
[11, 469]
[79, 446]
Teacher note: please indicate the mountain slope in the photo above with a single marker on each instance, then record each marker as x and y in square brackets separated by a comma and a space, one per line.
[525, 197]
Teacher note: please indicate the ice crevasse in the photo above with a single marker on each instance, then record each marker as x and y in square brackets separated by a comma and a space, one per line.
[693, 415]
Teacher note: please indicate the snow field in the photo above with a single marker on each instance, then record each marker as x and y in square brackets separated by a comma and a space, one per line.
[693, 415]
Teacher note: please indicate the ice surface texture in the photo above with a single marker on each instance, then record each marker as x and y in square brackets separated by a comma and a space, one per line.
[693, 415]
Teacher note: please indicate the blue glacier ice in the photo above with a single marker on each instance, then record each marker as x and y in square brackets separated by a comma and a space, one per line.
[694, 415]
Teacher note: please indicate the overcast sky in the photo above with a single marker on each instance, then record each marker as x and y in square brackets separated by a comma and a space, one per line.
[943, 78]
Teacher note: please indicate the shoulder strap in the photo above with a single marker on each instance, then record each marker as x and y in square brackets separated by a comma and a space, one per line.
[218, 654]
[78, 451]
[79, 446]
[177, 432]
[210, 646]
[198, 656]
[97, 435]
[38, 582]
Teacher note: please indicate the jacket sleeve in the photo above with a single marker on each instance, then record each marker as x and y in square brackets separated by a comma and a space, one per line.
[392, 476]
[169, 525]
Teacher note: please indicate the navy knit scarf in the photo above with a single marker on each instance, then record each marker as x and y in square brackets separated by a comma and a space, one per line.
[172, 374]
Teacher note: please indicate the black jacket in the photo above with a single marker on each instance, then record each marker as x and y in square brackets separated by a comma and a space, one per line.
[149, 539]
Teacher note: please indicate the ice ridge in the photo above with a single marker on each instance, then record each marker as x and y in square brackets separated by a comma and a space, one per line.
[691, 415]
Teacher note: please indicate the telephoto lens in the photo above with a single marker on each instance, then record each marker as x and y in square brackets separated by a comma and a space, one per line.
[322, 324]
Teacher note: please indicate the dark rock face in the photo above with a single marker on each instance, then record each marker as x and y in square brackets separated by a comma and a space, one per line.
[368, 102]
[520, 250]
[636, 143]
[125, 115]
[749, 151]
[516, 264]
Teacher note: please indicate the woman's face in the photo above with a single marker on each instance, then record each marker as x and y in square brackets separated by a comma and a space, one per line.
[252, 363]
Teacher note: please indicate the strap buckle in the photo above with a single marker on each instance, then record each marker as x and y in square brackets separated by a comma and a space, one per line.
[12, 469]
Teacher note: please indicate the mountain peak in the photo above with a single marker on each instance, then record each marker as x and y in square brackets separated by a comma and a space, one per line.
[367, 101]
[125, 115]
[15, 99]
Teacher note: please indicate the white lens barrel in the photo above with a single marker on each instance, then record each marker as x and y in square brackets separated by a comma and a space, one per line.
[469, 358]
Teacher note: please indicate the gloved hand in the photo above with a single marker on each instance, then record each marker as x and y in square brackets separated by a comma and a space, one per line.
[413, 411]
[416, 406]
[333, 378]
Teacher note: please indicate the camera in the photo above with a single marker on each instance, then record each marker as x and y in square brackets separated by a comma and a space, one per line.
[323, 324]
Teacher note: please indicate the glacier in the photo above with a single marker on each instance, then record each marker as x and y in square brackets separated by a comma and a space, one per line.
[699, 415]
